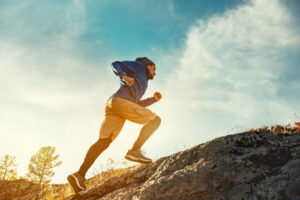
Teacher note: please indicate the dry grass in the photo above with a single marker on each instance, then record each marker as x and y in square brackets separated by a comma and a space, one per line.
[104, 176]
[62, 191]
[280, 129]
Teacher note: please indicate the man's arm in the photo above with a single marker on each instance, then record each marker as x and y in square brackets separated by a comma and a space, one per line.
[147, 102]
[125, 68]
[118, 69]
[121, 70]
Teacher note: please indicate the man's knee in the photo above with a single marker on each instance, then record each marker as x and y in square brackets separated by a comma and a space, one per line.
[156, 120]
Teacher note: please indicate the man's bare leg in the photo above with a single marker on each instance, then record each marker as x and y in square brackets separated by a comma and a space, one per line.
[147, 130]
[77, 179]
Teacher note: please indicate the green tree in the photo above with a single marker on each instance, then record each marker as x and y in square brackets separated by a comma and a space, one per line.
[40, 168]
[8, 168]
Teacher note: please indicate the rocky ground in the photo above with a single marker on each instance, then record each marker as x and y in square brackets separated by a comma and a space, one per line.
[258, 164]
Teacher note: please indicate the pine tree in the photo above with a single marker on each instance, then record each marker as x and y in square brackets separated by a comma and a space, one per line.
[40, 168]
[8, 168]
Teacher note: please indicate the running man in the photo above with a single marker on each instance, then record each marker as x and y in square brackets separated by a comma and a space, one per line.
[124, 105]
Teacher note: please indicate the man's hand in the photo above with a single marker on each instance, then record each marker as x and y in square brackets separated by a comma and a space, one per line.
[128, 80]
[157, 96]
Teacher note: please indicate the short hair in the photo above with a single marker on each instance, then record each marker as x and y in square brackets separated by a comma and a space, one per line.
[146, 61]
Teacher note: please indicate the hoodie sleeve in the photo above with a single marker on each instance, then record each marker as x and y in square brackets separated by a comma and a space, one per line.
[125, 68]
[147, 102]
[118, 69]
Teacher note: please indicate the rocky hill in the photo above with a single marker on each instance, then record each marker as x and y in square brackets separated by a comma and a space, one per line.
[258, 164]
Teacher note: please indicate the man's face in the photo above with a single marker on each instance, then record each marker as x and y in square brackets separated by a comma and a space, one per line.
[151, 69]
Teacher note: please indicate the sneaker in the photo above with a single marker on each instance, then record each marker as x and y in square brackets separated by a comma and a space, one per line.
[137, 156]
[77, 182]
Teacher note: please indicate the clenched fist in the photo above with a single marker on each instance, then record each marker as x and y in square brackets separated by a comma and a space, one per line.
[157, 96]
[128, 80]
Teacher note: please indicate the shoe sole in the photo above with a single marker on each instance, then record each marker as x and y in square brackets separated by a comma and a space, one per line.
[134, 159]
[75, 183]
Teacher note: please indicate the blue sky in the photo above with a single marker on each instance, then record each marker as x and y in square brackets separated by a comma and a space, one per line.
[222, 67]
[129, 27]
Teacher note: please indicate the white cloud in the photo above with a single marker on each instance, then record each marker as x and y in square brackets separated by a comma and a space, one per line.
[58, 104]
[52, 94]
[228, 73]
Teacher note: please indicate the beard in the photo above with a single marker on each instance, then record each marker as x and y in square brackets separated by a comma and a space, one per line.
[151, 76]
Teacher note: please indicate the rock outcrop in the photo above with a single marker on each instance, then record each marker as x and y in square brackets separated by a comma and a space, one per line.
[259, 164]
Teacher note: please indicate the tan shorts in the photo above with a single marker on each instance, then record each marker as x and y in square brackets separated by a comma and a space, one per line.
[117, 111]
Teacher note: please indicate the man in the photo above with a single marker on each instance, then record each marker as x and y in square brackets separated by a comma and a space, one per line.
[124, 105]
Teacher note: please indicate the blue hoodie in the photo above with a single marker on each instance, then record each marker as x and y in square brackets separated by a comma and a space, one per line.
[139, 72]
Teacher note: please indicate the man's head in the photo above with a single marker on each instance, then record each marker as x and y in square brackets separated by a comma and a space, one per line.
[149, 65]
